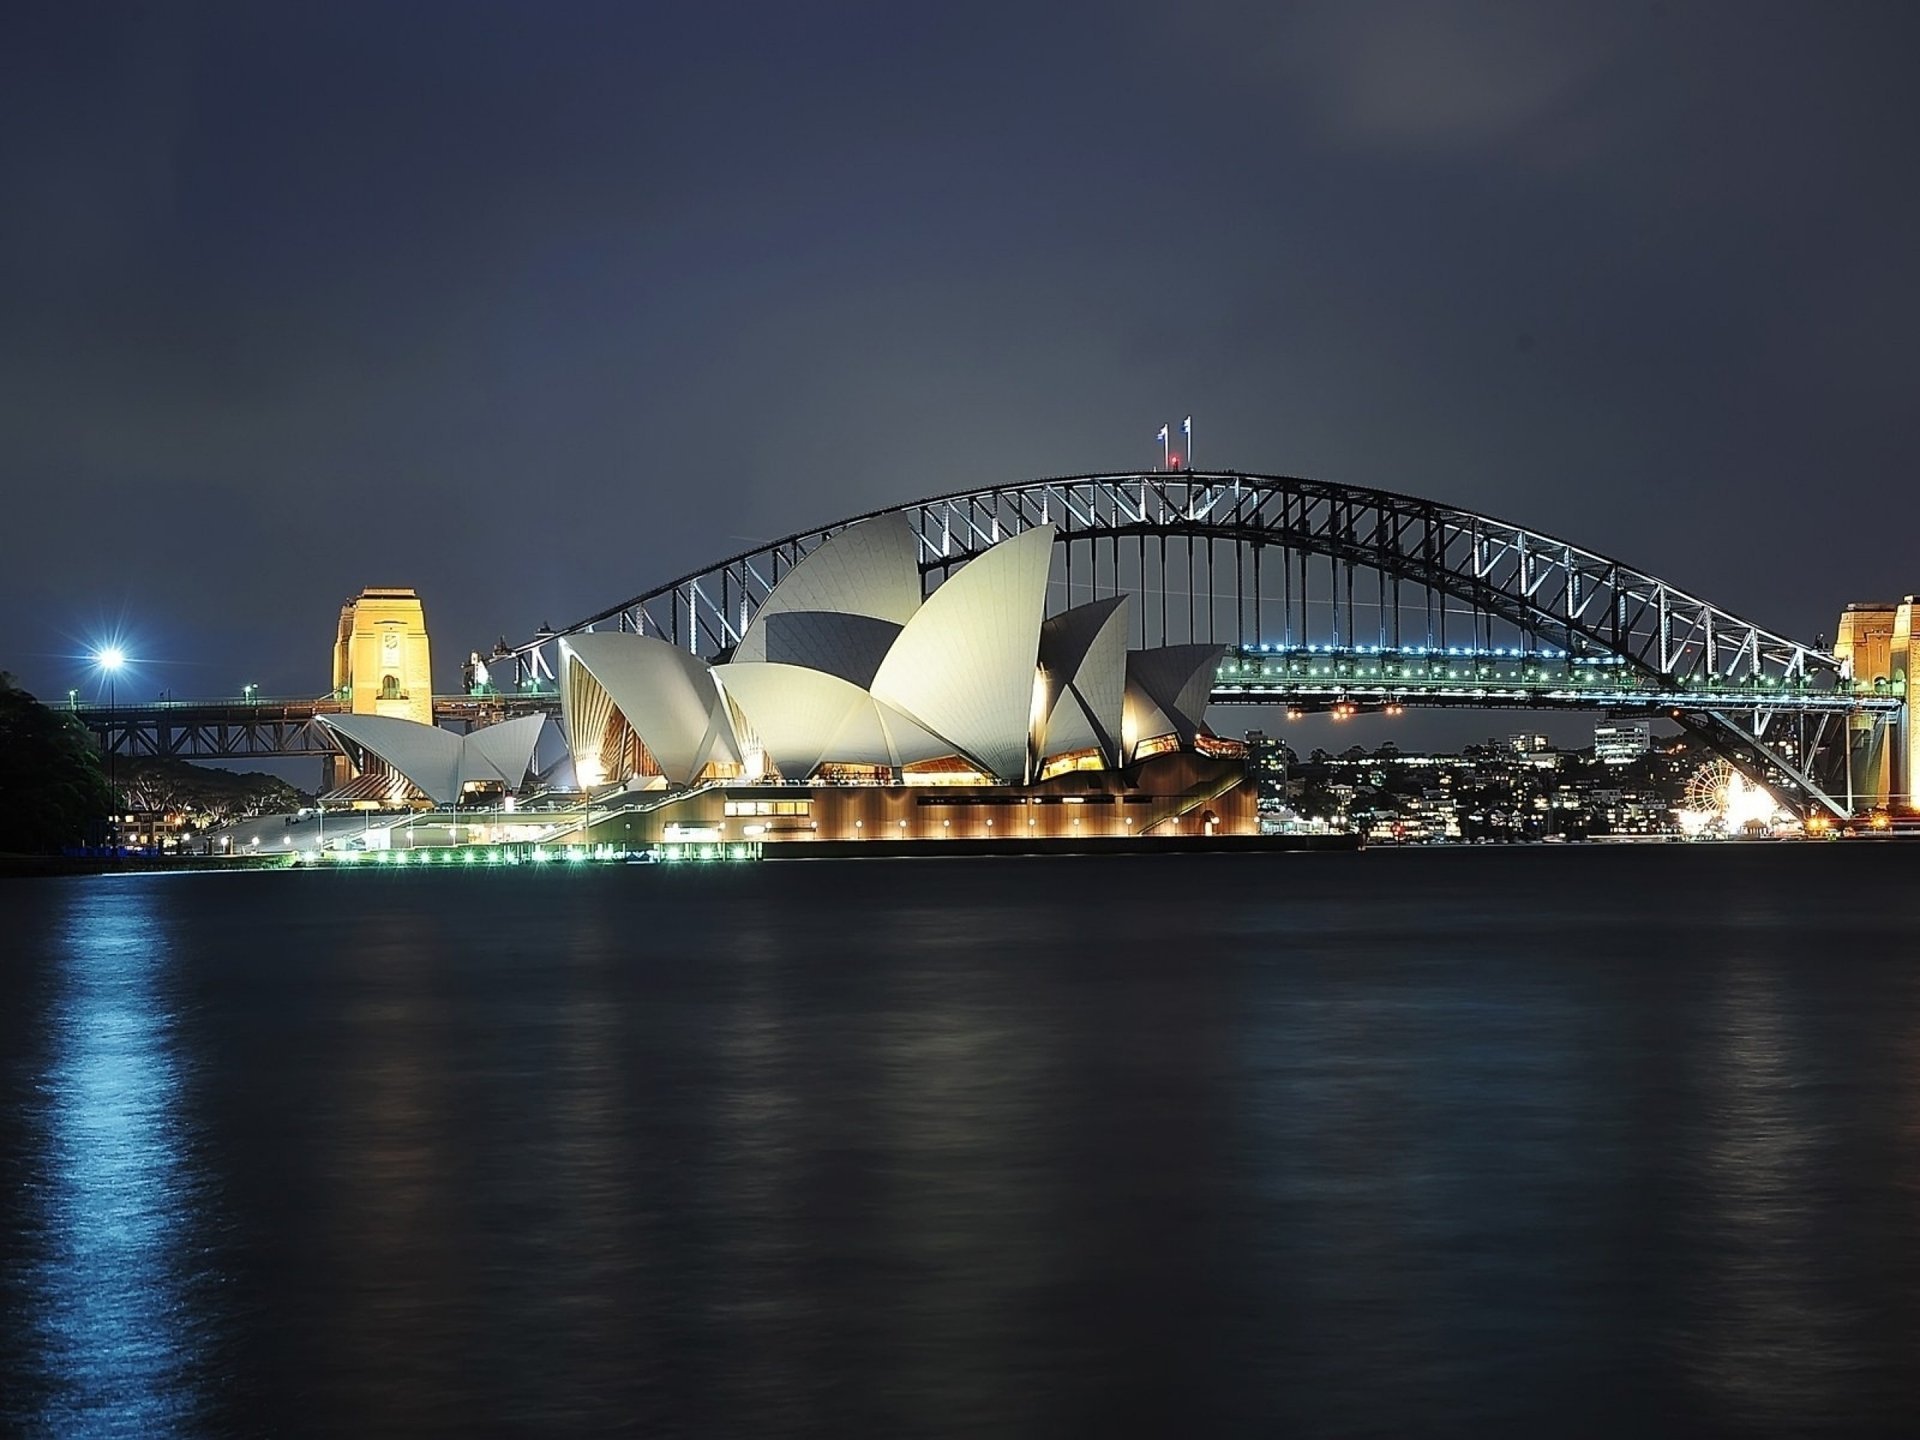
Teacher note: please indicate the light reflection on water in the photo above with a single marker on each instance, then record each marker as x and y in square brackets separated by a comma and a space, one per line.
[1766, 1337]
[1401, 1144]
[119, 1203]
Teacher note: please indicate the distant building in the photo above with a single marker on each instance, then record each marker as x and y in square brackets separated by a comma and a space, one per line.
[1269, 759]
[1621, 742]
[1530, 744]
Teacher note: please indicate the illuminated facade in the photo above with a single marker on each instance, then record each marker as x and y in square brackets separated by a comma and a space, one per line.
[1175, 794]
[381, 661]
[1269, 759]
[1865, 646]
[1875, 648]
[1621, 742]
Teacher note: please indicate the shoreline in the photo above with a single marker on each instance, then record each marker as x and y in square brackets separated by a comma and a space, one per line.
[47, 866]
[41, 866]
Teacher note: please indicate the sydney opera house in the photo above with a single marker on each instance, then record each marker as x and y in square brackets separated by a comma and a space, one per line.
[855, 709]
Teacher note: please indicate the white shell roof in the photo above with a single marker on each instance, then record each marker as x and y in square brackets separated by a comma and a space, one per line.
[504, 751]
[668, 696]
[963, 666]
[804, 718]
[841, 607]
[1167, 691]
[438, 762]
[1083, 662]
[849, 646]
[845, 663]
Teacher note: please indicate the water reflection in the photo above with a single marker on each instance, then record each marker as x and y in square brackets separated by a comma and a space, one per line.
[922, 1149]
[1767, 1345]
[383, 1141]
[967, 1165]
[1423, 1149]
[118, 1335]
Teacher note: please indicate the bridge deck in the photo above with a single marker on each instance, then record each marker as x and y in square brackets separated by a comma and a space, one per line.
[264, 728]
[1317, 677]
[1303, 677]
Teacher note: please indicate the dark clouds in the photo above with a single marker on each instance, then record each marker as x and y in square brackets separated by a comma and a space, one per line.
[532, 306]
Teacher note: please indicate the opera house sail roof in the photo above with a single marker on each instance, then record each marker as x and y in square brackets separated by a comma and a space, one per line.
[840, 608]
[845, 665]
[613, 685]
[1083, 670]
[1167, 691]
[963, 666]
[439, 763]
[804, 718]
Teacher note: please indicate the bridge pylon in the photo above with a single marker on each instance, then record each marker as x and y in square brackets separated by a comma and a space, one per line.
[1875, 647]
[382, 662]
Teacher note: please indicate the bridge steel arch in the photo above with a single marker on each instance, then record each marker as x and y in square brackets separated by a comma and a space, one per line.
[1259, 560]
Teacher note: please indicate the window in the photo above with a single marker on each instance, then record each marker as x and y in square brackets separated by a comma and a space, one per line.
[390, 687]
[769, 807]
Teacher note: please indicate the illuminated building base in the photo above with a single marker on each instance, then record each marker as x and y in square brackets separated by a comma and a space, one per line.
[1178, 794]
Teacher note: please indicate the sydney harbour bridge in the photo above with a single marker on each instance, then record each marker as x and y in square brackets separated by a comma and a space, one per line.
[1327, 597]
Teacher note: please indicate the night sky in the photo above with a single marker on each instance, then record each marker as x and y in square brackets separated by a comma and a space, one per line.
[534, 306]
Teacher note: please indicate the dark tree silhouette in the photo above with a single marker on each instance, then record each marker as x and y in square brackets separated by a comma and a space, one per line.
[53, 791]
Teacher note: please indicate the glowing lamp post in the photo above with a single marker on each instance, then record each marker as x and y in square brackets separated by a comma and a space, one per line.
[109, 660]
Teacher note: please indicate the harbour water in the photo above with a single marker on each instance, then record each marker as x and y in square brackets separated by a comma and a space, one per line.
[1471, 1142]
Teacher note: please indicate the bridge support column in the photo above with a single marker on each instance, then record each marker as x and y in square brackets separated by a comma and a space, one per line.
[1869, 762]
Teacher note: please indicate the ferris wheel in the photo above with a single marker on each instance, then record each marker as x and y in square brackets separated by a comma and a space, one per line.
[1710, 787]
[1728, 803]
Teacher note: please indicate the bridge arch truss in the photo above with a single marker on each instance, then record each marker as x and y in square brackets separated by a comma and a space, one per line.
[1260, 562]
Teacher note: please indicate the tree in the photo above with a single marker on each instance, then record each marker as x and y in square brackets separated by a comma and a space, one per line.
[52, 788]
[216, 796]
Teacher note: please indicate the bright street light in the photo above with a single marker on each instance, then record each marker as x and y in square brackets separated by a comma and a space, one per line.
[110, 658]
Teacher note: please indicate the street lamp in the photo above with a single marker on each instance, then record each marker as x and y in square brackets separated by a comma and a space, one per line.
[248, 690]
[110, 658]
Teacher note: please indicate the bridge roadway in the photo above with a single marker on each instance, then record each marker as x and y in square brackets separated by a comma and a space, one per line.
[1304, 678]
[267, 727]
[1366, 677]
